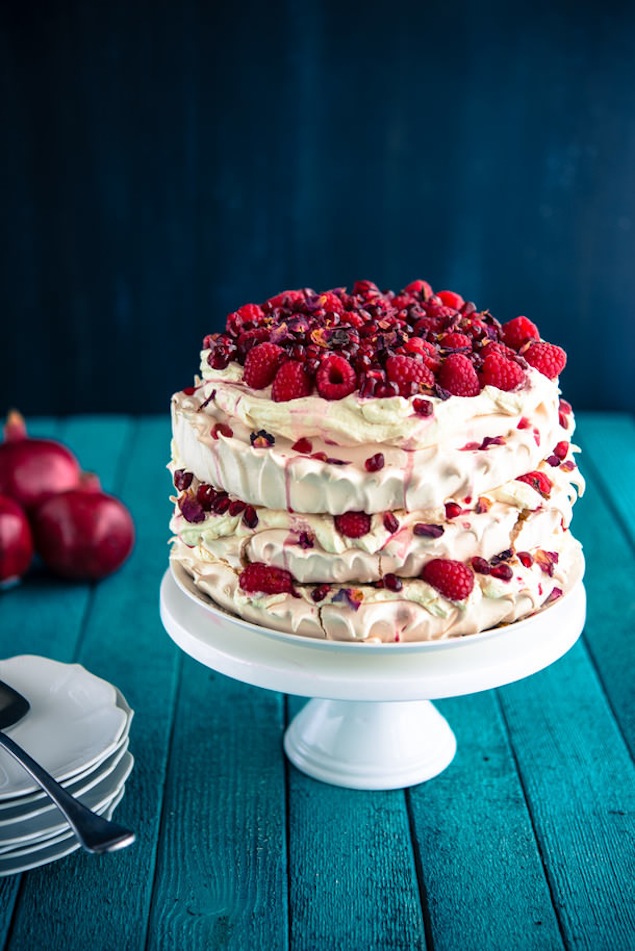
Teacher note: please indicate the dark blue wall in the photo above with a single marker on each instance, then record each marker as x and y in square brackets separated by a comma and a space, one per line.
[164, 162]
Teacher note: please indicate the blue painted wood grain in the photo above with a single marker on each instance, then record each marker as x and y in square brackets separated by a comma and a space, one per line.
[162, 165]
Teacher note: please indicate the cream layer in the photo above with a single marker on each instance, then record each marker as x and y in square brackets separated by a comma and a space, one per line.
[368, 614]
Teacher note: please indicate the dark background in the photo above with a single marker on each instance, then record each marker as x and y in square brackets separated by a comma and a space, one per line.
[164, 162]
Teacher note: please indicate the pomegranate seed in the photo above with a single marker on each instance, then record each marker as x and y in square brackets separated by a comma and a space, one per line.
[205, 495]
[374, 463]
[525, 558]
[480, 566]
[237, 506]
[502, 571]
[561, 449]
[392, 582]
[302, 445]
[182, 479]
[428, 531]
[452, 509]
[191, 510]
[250, 517]
[422, 407]
[391, 522]
[221, 503]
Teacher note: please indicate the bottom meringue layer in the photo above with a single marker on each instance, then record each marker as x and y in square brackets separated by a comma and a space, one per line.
[368, 613]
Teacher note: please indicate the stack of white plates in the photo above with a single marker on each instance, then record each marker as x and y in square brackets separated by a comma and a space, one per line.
[77, 729]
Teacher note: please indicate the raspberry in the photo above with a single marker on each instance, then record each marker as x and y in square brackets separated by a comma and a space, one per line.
[455, 341]
[404, 371]
[352, 524]
[291, 382]
[265, 578]
[335, 377]
[518, 331]
[419, 287]
[500, 372]
[261, 365]
[458, 376]
[548, 358]
[450, 299]
[493, 346]
[538, 481]
[452, 579]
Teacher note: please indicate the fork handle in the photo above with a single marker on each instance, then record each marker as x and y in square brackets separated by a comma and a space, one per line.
[95, 833]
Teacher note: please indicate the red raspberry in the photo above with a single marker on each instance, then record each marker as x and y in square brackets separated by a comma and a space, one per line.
[458, 376]
[450, 299]
[352, 524]
[331, 302]
[548, 358]
[335, 377]
[455, 341]
[261, 365]
[518, 331]
[266, 579]
[452, 579]
[291, 382]
[419, 287]
[500, 372]
[493, 346]
[404, 370]
[289, 300]
[538, 481]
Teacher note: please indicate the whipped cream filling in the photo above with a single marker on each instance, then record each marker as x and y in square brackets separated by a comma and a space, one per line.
[488, 440]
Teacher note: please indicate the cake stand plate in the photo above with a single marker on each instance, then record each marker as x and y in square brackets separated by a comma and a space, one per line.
[370, 723]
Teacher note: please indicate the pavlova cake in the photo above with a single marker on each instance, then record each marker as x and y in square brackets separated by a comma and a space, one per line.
[371, 466]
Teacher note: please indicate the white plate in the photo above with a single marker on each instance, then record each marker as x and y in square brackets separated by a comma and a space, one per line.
[30, 803]
[74, 721]
[49, 824]
[12, 863]
[19, 813]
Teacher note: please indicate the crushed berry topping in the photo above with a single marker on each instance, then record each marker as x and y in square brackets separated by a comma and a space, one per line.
[262, 439]
[306, 540]
[320, 592]
[379, 344]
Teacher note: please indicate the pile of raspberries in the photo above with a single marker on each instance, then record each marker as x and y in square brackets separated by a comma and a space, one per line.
[378, 344]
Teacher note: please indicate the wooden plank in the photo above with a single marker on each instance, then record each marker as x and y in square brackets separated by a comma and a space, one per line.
[608, 453]
[580, 785]
[221, 874]
[44, 615]
[353, 882]
[107, 898]
[603, 522]
[480, 863]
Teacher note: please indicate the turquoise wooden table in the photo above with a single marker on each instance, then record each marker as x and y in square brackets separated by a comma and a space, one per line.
[525, 842]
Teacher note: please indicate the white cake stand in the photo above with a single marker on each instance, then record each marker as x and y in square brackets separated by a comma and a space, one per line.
[370, 724]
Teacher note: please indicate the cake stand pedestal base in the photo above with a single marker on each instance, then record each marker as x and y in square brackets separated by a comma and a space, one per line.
[370, 745]
[369, 723]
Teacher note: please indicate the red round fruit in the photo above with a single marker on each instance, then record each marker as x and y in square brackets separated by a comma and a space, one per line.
[452, 579]
[83, 534]
[33, 469]
[16, 541]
